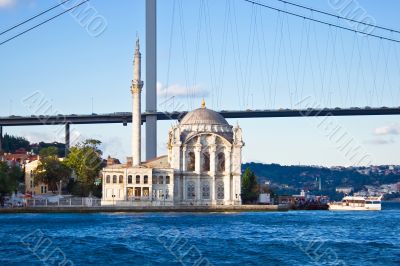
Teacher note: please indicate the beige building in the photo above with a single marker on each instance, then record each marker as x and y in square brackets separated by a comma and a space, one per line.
[30, 187]
[202, 167]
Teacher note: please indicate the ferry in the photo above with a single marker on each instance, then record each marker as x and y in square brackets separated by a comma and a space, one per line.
[357, 203]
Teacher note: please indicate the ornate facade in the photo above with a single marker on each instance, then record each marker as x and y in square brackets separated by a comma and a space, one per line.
[203, 165]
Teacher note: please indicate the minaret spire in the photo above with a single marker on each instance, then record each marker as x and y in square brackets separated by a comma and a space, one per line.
[136, 90]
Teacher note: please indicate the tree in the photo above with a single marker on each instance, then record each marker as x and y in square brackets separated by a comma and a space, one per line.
[249, 187]
[49, 151]
[86, 162]
[9, 179]
[11, 143]
[51, 171]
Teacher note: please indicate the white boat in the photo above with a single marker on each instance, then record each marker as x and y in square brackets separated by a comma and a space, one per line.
[356, 203]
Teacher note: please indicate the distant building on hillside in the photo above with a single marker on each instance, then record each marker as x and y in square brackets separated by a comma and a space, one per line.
[20, 156]
[344, 190]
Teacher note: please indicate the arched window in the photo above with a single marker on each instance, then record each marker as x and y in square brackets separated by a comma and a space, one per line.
[160, 180]
[205, 190]
[114, 179]
[129, 179]
[154, 180]
[191, 161]
[138, 179]
[221, 162]
[108, 179]
[167, 180]
[121, 179]
[220, 190]
[190, 190]
[206, 162]
[145, 179]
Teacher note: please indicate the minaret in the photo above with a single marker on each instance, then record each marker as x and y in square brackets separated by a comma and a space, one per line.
[136, 90]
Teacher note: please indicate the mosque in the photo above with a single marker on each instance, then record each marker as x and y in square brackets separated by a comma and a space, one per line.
[202, 167]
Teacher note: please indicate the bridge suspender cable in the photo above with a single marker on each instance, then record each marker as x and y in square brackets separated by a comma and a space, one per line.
[336, 16]
[41, 23]
[321, 22]
[29, 19]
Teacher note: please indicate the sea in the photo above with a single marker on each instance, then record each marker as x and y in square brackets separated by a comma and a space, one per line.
[246, 238]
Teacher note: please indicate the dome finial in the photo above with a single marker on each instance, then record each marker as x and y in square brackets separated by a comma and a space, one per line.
[203, 103]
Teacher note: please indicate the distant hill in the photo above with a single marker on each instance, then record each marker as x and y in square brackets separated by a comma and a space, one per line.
[291, 179]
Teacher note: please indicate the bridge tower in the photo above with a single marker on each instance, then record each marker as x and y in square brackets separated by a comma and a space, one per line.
[151, 79]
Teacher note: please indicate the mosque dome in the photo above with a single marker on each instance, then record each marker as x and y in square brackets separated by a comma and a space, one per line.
[203, 116]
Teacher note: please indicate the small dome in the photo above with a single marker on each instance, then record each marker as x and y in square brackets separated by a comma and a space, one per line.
[203, 116]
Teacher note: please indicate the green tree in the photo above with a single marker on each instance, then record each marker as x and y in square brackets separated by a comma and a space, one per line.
[48, 152]
[86, 162]
[51, 171]
[9, 179]
[12, 143]
[249, 187]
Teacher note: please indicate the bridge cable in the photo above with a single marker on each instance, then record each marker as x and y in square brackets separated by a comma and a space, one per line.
[322, 22]
[41, 23]
[340, 17]
[185, 59]
[262, 54]
[197, 47]
[171, 34]
[286, 59]
[31, 18]
[397, 59]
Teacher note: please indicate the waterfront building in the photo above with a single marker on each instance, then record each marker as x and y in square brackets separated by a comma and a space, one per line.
[202, 165]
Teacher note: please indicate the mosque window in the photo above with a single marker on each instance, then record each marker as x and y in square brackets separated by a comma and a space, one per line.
[138, 179]
[191, 161]
[190, 190]
[108, 180]
[160, 180]
[205, 190]
[221, 162]
[145, 179]
[206, 162]
[167, 180]
[220, 190]
[129, 179]
[121, 179]
[114, 179]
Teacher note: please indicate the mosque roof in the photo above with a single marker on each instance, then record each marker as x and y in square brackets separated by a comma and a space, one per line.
[203, 116]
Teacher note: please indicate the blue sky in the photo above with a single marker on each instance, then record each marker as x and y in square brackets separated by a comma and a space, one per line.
[234, 54]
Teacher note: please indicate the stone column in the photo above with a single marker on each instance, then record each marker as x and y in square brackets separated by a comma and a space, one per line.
[184, 156]
[228, 160]
[227, 177]
[213, 192]
[213, 149]
[184, 188]
[198, 170]
[197, 153]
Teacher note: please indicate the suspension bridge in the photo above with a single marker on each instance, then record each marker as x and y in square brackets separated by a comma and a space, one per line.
[351, 60]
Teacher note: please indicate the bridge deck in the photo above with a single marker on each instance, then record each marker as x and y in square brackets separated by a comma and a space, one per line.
[126, 117]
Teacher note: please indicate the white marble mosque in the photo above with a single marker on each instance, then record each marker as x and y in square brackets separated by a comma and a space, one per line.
[202, 167]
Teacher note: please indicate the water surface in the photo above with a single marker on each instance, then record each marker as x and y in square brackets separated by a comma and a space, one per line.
[252, 238]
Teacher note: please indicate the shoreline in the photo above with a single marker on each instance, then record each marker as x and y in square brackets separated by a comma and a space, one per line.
[82, 209]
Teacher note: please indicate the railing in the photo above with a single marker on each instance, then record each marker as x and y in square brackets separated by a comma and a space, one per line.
[64, 202]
